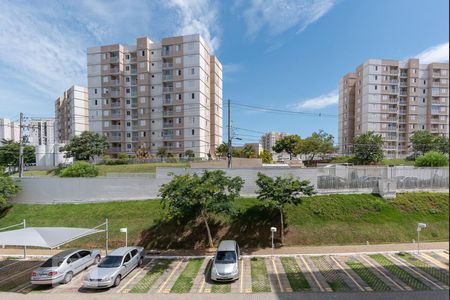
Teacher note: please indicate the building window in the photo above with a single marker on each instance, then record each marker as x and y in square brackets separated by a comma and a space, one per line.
[141, 76]
[142, 99]
[95, 91]
[142, 65]
[193, 131]
[193, 96]
[96, 102]
[153, 75]
[376, 87]
[143, 53]
[127, 68]
[192, 71]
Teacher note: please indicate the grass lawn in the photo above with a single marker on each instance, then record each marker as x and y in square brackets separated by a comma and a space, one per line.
[260, 278]
[186, 279]
[397, 162]
[319, 220]
[294, 274]
[144, 285]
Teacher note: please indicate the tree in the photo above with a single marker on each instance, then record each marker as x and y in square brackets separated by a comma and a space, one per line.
[189, 153]
[8, 189]
[318, 143]
[367, 148]
[266, 156]
[9, 154]
[222, 150]
[209, 193]
[431, 159]
[281, 191]
[440, 144]
[289, 144]
[80, 169]
[248, 152]
[86, 146]
[422, 142]
[162, 152]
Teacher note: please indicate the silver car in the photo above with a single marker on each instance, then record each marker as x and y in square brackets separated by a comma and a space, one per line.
[64, 265]
[225, 266]
[114, 267]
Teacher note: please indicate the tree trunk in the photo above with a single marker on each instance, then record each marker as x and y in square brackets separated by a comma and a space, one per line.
[282, 226]
[205, 219]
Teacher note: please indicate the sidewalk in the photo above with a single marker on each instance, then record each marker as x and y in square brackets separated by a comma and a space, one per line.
[268, 251]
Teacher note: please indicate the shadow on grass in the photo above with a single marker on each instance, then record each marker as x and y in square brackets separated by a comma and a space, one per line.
[250, 228]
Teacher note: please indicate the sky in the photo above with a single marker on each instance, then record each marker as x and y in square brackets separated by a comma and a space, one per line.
[280, 54]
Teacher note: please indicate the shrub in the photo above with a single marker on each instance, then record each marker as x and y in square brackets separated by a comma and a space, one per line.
[122, 155]
[432, 159]
[8, 189]
[80, 169]
[343, 159]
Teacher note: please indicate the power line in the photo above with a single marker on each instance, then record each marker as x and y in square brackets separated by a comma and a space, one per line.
[282, 111]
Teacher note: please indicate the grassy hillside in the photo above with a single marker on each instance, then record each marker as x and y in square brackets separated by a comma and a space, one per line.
[319, 220]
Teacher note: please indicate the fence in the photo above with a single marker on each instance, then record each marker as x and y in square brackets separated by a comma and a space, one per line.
[336, 179]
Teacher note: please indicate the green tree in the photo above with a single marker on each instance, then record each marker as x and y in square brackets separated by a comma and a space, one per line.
[281, 191]
[431, 159]
[266, 156]
[248, 152]
[162, 152]
[441, 144]
[86, 146]
[222, 150]
[8, 189]
[367, 148]
[318, 143]
[422, 142]
[212, 192]
[189, 153]
[289, 144]
[9, 154]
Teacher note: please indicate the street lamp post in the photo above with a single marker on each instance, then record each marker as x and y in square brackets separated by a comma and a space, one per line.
[273, 230]
[420, 226]
[125, 230]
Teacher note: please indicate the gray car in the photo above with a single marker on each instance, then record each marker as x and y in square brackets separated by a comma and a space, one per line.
[64, 265]
[114, 267]
[225, 266]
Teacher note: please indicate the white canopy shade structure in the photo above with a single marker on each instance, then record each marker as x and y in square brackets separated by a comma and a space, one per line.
[45, 237]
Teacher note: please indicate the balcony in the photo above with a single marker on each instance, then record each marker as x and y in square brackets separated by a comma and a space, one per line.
[115, 93]
[167, 65]
[168, 89]
[115, 138]
[114, 59]
[115, 104]
[403, 93]
[114, 70]
[133, 71]
[167, 124]
[167, 77]
[403, 74]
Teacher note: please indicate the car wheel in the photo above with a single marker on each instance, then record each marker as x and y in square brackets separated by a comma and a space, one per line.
[68, 277]
[117, 280]
[97, 260]
[140, 262]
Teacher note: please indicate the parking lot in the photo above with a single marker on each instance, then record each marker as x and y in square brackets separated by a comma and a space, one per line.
[380, 272]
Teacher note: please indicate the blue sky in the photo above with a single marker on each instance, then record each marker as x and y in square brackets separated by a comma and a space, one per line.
[276, 53]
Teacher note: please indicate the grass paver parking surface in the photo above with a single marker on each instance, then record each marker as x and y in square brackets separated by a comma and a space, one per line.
[218, 287]
[260, 278]
[294, 274]
[331, 275]
[370, 278]
[185, 281]
[437, 273]
[401, 274]
[144, 285]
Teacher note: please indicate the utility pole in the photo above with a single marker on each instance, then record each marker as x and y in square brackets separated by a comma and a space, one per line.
[21, 146]
[229, 154]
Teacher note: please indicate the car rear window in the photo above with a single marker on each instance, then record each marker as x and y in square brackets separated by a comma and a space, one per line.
[53, 262]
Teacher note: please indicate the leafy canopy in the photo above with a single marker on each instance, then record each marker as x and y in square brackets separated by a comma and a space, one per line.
[289, 144]
[431, 159]
[86, 146]
[423, 142]
[9, 154]
[8, 189]
[266, 156]
[318, 143]
[222, 150]
[367, 148]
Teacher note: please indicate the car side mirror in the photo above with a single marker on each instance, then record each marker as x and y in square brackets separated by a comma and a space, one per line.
[125, 264]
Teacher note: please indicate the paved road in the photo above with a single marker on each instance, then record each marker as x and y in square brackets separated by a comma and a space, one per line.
[435, 295]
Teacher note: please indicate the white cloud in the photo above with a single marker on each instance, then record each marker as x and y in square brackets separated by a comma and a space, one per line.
[277, 16]
[232, 68]
[319, 102]
[438, 53]
[198, 16]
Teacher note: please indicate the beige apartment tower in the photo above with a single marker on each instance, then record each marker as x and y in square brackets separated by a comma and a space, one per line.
[155, 95]
[71, 114]
[394, 99]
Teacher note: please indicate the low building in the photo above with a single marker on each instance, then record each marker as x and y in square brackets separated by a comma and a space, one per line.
[41, 132]
[9, 130]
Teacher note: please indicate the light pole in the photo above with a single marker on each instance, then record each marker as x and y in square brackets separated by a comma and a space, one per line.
[420, 226]
[125, 230]
[273, 230]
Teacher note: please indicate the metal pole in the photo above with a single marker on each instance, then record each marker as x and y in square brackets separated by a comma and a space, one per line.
[24, 247]
[229, 154]
[106, 224]
[418, 241]
[21, 146]
[126, 238]
[272, 243]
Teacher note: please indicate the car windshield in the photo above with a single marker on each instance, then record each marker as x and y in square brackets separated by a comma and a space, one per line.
[226, 257]
[53, 262]
[110, 262]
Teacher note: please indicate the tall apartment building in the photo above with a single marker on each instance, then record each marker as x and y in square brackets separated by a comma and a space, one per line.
[41, 132]
[71, 113]
[151, 95]
[393, 98]
[269, 139]
[9, 130]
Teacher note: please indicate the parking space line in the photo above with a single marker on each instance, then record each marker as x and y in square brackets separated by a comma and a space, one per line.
[200, 290]
[345, 271]
[135, 275]
[433, 260]
[414, 271]
[381, 272]
[312, 274]
[278, 275]
[241, 278]
[444, 254]
[161, 288]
